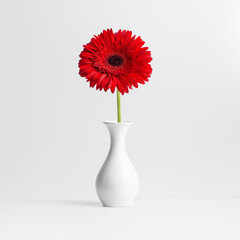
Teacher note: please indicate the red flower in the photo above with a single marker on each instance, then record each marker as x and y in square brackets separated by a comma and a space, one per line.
[113, 60]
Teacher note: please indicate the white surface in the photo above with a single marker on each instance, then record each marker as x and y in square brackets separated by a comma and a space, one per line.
[117, 182]
[153, 218]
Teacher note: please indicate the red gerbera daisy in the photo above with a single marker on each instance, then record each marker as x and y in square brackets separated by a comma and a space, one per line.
[113, 60]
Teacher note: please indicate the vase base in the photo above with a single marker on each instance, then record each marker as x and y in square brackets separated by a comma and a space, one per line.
[117, 206]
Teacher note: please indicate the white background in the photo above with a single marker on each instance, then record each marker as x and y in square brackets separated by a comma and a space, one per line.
[184, 142]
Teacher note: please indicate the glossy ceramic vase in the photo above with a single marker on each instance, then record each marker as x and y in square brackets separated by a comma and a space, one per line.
[117, 181]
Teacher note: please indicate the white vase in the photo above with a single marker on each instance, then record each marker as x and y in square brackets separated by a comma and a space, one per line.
[117, 181]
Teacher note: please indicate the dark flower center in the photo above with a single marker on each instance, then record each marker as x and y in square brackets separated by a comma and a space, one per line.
[115, 60]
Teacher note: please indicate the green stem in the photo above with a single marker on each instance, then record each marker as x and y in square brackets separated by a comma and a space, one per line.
[119, 106]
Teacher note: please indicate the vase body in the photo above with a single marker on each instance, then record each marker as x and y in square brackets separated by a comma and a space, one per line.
[117, 181]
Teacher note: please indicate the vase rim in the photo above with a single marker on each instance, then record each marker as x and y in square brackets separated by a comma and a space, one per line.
[118, 123]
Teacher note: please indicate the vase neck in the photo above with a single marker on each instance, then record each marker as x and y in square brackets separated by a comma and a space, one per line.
[118, 133]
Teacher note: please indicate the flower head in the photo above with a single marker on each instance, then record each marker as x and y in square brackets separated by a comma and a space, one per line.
[115, 60]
